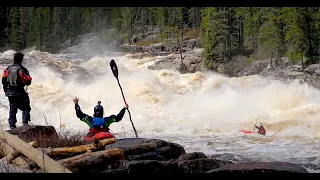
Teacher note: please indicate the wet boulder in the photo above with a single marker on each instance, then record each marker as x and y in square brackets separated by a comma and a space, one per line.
[10, 168]
[151, 167]
[201, 165]
[35, 133]
[192, 156]
[148, 149]
[172, 166]
[312, 69]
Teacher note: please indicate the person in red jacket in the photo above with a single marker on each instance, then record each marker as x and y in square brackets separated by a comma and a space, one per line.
[261, 131]
[15, 78]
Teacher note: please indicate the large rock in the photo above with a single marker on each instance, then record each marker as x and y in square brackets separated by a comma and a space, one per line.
[201, 165]
[34, 133]
[148, 156]
[129, 48]
[254, 68]
[192, 156]
[313, 68]
[230, 157]
[148, 149]
[159, 156]
[150, 167]
[172, 166]
[193, 43]
[192, 62]
[9, 168]
[169, 62]
[261, 167]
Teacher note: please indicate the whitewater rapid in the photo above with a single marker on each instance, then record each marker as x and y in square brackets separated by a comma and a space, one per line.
[201, 111]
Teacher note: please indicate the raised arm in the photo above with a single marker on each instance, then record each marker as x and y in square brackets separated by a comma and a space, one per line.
[115, 118]
[82, 116]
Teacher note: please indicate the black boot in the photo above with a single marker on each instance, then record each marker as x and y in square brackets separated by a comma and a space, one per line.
[13, 126]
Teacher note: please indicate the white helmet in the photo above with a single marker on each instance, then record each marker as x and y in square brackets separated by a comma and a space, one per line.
[261, 124]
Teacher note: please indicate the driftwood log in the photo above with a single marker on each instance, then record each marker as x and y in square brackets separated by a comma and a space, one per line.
[93, 160]
[42, 160]
[15, 154]
[65, 152]
[6, 149]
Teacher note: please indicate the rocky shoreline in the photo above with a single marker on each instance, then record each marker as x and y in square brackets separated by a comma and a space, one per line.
[193, 60]
[138, 156]
[171, 158]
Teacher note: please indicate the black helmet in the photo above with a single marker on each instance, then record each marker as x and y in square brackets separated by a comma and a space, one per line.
[98, 110]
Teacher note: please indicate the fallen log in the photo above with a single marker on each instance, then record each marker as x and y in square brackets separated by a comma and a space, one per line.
[93, 161]
[133, 149]
[66, 152]
[15, 154]
[20, 161]
[6, 149]
[104, 142]
[42, 160]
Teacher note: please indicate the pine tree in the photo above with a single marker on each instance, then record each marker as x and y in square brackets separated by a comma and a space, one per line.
[295, 34]
[271, 34]
[316, 31]
[251, 28]
[32, 36]
[56, 31]
[194, 17]
[16, 34]
[161, 17]
[207, 35]
[3, 26]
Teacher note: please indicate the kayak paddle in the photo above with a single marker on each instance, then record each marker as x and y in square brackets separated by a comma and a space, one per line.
[254, 128]
[115, 72]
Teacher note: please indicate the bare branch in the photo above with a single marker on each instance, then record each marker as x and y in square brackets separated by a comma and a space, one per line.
[45, 118]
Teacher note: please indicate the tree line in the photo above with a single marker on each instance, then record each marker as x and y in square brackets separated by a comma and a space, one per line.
[224, 31]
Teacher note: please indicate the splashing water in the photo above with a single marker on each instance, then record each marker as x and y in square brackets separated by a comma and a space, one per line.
[202, 111]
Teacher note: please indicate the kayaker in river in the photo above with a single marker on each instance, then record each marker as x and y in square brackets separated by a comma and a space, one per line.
[261, 131]
[98, 123]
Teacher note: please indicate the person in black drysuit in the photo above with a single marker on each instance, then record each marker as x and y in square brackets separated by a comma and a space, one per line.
[98, 123]
[15, 78]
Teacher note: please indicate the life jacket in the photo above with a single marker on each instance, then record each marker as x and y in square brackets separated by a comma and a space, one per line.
[98, 123]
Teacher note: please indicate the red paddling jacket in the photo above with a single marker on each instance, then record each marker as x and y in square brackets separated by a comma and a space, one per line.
[261, 130]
